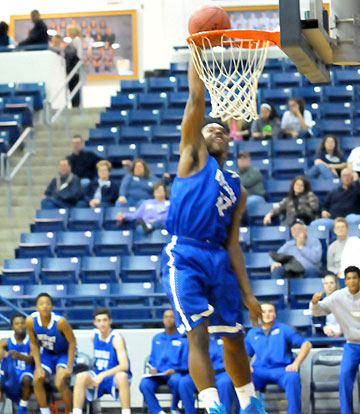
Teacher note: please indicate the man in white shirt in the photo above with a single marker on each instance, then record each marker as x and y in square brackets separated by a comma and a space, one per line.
[354, 162]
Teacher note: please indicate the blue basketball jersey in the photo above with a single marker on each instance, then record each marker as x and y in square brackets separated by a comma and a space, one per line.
[23, 348]
[201, 205]
[50, 337]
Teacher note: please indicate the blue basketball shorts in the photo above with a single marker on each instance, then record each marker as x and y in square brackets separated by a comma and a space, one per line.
[50, 361]
[107, 386]
[200, 283]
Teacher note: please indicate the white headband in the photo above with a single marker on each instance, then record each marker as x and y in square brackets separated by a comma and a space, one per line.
[265, 105]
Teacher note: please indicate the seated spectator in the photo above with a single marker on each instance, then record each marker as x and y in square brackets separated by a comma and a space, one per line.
[137, 185]
[329, 160]
[239, 129]
[101, 192]
[167, 355]
[301, 201]
[297, 121]
[268, 124]
[353, 162]
[38, 34]
[251, 179]
[328, 324]
[271, 344]
[344, 250]
[224, 384]
[5, 39]
[343, 201]
[152, 213]
[306, 250]
[64, 191]
[83, 163]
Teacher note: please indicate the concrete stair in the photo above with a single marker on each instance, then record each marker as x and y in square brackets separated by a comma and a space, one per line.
[44, 168]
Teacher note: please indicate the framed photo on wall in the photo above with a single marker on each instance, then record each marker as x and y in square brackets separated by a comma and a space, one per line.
[109, 39]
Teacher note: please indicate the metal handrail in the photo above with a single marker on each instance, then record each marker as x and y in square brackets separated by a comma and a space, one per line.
[50, 118]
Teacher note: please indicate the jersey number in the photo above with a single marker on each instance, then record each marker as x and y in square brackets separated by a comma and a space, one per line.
[223, 202]
[102, 364]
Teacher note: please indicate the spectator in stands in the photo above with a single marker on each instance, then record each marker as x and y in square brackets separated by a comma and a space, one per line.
[353, 162]
[239, 129]
[166, 358]
[112, 366]
[344, 304]
[101, 192]
[137, 185]
[343, 201]
[301, 201]
[64, 191]
[73, 54]
[56, 44]
[271, 344]
[251, 179]
[224, 384]
[328, 324]
[344, 251]
[5, 39]
[38, 34]
[83, 163]
[329, 159]
[268, 124]
[306, 250]
[297, 121]
[152, 213]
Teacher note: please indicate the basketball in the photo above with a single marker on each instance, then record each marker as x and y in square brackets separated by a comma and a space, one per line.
[207, 18]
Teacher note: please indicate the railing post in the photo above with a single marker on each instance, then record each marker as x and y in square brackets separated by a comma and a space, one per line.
[67, 118]
[29, 172]
[82, 80]
[8, 185]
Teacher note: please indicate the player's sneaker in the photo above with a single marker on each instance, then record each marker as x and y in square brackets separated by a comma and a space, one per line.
[218, 409]
[255, 407]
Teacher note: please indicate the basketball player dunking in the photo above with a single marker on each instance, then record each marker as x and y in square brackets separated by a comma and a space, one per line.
[203, 265]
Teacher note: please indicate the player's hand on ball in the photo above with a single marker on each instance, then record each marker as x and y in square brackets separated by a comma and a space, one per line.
[317, 296]
[255, 312]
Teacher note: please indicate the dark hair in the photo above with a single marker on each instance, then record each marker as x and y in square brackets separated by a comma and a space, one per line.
[159, 184]
[243, 154]
[350, 269]
[44, 294]
[16, 315]
[4, 28]
[273, 111]
[300, 101]
[337, 151]
[307, 185]
[102, 310]
[77, 136]
[143, 162]
[218, 121]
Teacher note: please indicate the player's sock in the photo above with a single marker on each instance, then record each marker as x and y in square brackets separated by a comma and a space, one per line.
[77, 411]
[22, 407]
[244, 394]
[124, 411]
[45, 410]
[210, 398]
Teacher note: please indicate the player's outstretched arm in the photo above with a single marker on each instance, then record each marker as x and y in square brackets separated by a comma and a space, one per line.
[34, 345]
[238, 262]
[67, 331]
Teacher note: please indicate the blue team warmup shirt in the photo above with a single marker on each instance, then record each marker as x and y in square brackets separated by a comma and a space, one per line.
[167, 351]
[272, 350]
[23, 348]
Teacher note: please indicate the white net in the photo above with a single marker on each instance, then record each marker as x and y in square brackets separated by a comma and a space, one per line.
[230, 73]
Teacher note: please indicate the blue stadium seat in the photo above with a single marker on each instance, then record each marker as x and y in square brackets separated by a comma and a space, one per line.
[258, 265]
[12, 124]
[162, 84]
[175, 152]
[112, 243]
[152, 100]
[286, 168]
[172, 167]
[335, 126]
[339, 93]
[347, 144]
[332, 110]
[177, 99]
[299, 319]
[36, 245]
[289, 147]
[245, 238]
[354, 230]
[279, 95]
[322, 187]
[74, 243]
[12, 292]
[277, 189]
[117, 174]
[172, 116]
[20, 105]
[357, 126]
[166, 133]
[158, 168]
[82, 219]
[134, 134]
[264, 80]
[20, 271]
[123, 101]
[356, 107]
[36, 90]
[133, 86]
[302, 290]
[309, 93]
[104, 135]
[4, 141]
[264, 166]
[7, 89]
[323, 235]
[286, 79]
[155, 152]
[118, 153]
[273, 291]
[258, 149]
[346, 76]
[110, 222]
[269, 237]
[87, 294]
[312, 145]
[60, 270]
[257, 213]
[114, 118]
[274, 65]
[182, 83]
[144, 117]
[99, 150]
[179, 68]
[145, 244]
[140, 268]
[105, 269]
[50, 220]
[57, 291]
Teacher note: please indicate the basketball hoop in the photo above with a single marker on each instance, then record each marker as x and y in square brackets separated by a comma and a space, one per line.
[230, 63]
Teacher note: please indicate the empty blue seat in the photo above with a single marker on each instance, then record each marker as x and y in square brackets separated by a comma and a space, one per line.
[175, 152]
[20, 105]
[245, 238]
[302, 291]
[20, 271]
[179, 68]
[118, 153]
[12, 292]
[36, 90]
[144, 117]
[57, 291]
[51, 220]
[82, 219]
[145, 244]
[99, 150]
[182, 83]
[257, 213]
[286, 79]
[158, 168]
[166, 133]
[264, 165]
[268, 237]
[123, 101]
[134, 134]
[339, 93]
[323, 235]
[4, 141]
[140, 268]
[152, 100]
[289, 147]
[104, 135]
[103, 269]
[280, 95]
[258, 149]
[258, 264]
[274, 65]
[309, 93]
[112, 243]
[7, 89]
[36, 245]
[172, 116]
[154, 152]
[110, 221]
[273, 291]
[133, 85]
[172, 167]
[277, 189]
[162, 84]
[264, 80]
[177, 99]
[12, 124]
[335, 126]
[74, 243]
[356, 126]
[286, 168]
[312, 144]
[299, 319]
[114, 118]
[347, 144]
[342, 110]
[356, 107]
[60, 270]
[347, 76]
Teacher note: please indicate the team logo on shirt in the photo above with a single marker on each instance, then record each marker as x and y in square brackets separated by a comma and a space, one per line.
[275, 331]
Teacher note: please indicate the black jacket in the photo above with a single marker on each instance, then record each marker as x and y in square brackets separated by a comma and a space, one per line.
[108, 194]
[37, 35]
[70, 193]
[84, 164]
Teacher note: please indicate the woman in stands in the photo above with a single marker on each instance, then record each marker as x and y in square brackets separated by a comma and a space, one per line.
[73, 54]
[300, 202]
[297, 121]
[137, 185]
[239, 129]
[268, 124]
[329, 159]
[5, 39]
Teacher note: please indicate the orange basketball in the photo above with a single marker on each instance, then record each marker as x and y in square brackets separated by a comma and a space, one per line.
[207, 18]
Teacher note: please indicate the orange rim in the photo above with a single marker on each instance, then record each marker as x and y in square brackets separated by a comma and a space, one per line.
[243, 38]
